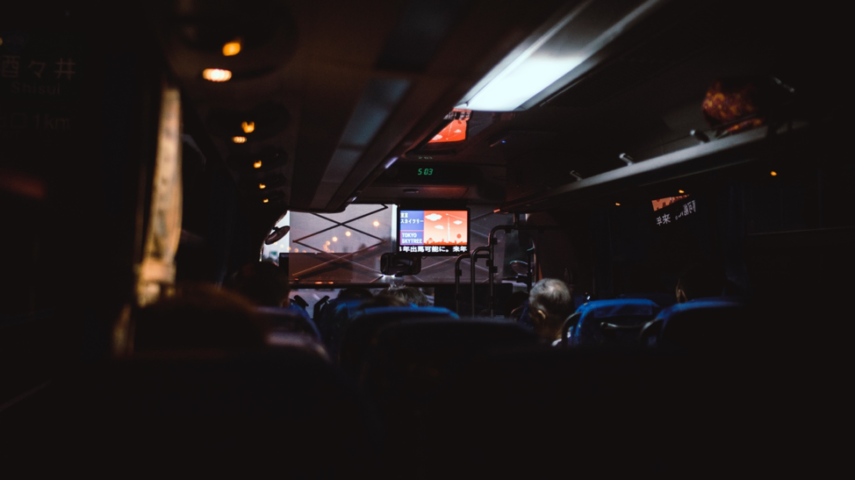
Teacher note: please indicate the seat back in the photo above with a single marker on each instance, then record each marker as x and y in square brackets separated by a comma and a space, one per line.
[285, 409]
[611, 321]
[291, 320]
[702, 323]
[360, 332]
[410, 359]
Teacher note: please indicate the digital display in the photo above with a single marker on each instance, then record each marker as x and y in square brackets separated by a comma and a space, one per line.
[433, 232]
[670, 210]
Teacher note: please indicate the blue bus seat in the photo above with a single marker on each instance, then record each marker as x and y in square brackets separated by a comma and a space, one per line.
[334, 316]
[361, 330]
[699, 323]
[611, 321]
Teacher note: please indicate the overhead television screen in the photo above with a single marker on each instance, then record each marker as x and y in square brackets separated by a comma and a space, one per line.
[433, 232]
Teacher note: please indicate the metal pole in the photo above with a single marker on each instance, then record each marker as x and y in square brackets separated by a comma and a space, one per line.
[472, 263]
[457, 274]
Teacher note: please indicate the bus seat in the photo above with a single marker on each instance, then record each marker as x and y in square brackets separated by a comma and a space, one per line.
[334, 315]
[611, 321]
[300, 341]
[698, 323]
[284, 410]
[662, 299]
[359, 333]
[294, 320]
[409, 359]
[604, 412]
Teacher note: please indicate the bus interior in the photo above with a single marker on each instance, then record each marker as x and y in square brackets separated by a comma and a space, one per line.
[153, 155]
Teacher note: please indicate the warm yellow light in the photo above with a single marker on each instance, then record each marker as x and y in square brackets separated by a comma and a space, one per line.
[232, 48]
[248, 127]
[239, 139]
[773, 173]
[296, 250]
[261, 186]
[334, 239]
[617, 204]
[257, 164]
[1, 40]
[216, 75]
[680, 192]
[376, 223]
[347, 233]
[266, 200]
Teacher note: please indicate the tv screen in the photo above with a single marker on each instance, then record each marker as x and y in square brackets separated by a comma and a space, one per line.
[433, 232]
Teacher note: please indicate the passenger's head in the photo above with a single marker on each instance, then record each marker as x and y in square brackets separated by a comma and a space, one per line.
[384, 299]
[199, 317]
[550, 303]
[410, 295]
[698, 281]
[354, 293]
[261, 282]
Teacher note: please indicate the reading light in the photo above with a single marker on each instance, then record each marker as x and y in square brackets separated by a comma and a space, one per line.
[216, 75]
[617, 204]
[680, 192]
[257, 164]
[545, 59]
[239, 139]
[266, 200]
[773, 173]
[248, 127]
[261, 186]
[232, 48]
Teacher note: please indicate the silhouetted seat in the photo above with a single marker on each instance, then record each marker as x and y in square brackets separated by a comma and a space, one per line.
[361, 330]
[409, 359]
[700, 323]
[289, 320]
[606, 412]
[611, 321]
[285, 411]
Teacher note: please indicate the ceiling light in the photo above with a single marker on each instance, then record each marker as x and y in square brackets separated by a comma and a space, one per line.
[773, 173]
[248, 127]
[617, 204]
[261, 186]
[681, 192]
[542, 62]
[257, 164]
[216, 75]
[232, 48]
[266, 200]
[239, 139]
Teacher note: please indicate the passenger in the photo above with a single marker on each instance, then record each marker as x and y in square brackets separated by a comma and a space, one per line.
[699, 281]
[199, 317]
[411, 295]
[550, 303]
